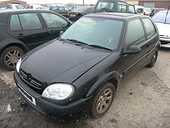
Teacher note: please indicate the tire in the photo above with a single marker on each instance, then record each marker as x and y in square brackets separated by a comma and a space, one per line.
[153, 60]
[104, 97]
[10, 56]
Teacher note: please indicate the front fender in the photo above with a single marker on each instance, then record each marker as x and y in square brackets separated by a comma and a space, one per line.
[102, 80]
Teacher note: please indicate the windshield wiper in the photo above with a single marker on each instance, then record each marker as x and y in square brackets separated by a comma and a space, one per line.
[77, 41]
[97, 46]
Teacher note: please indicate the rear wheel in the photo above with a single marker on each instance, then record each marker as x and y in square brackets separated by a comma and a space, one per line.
[153, 60]
[102, 101]
[10, 56]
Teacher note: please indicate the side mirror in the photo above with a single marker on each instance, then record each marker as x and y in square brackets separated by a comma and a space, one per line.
[131, 50]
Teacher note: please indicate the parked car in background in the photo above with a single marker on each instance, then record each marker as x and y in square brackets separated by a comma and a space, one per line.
[76, 13]
[12, 6]
[23, 30]
[103, 6]
[156, 10]
[139, 9]
[143, 10]
[82, 70]
[38, 6]
[162, 20]
[60, 9]
[114, 6]
[147, 11]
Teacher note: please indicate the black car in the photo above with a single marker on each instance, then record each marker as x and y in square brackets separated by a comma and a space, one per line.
[23, 30]
[82, 70]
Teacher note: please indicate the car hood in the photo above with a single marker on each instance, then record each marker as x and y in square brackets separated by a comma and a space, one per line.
[164, 29]
[61, 62]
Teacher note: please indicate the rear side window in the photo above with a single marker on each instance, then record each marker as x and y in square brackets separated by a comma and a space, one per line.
[14, 23]
[149, 27]
[135, 32]
[54, 21]
[30, 21]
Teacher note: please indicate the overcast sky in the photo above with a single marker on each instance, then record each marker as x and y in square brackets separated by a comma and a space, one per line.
[61, 1]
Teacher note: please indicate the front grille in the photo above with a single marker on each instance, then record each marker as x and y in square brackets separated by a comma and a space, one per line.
[30, 80]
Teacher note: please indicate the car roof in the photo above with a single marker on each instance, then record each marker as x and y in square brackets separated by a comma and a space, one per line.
[10, 11]
[113, 15]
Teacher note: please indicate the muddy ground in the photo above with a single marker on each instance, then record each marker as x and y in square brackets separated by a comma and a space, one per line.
[142, 101]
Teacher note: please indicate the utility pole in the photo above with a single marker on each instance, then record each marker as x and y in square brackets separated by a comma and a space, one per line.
[83, 2]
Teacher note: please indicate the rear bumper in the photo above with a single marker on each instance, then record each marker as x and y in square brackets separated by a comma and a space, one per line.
[44, 106]
[165, 45]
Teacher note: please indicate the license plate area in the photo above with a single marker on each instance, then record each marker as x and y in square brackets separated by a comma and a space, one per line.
[27, 96]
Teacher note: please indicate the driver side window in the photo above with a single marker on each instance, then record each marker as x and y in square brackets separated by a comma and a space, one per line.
[135, 32]
[54, 21]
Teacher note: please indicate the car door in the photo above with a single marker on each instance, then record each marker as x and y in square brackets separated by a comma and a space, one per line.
[32, 31]
[151, 33]
[152, 38]
[55, 24]
[135, 36]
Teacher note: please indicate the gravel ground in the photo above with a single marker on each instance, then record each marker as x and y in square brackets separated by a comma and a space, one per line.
[142, 101]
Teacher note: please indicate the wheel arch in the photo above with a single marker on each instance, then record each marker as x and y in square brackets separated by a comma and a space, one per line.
[5, 45]
[112, 77]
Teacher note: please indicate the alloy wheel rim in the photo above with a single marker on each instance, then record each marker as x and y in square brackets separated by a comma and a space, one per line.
[104, 101]
[12, 57]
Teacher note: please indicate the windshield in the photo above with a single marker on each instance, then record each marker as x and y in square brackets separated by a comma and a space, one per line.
[162, 17]
[96, 31]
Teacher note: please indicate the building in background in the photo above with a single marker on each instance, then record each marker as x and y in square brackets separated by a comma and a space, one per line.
[134, 2]
[151, 3]
[61, 1]
[155, 3]
[12, 2]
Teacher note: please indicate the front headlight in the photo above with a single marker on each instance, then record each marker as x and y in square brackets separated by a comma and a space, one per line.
[18, 65]
[59, 91]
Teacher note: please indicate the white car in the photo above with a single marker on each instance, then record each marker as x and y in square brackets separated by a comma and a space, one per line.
[162, 20]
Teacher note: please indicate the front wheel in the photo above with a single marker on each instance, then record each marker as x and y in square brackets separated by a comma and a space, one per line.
[102, 101]
[10, 56]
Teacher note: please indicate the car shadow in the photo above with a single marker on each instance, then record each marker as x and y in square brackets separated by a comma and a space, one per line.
[165, 49]
[3, 69]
